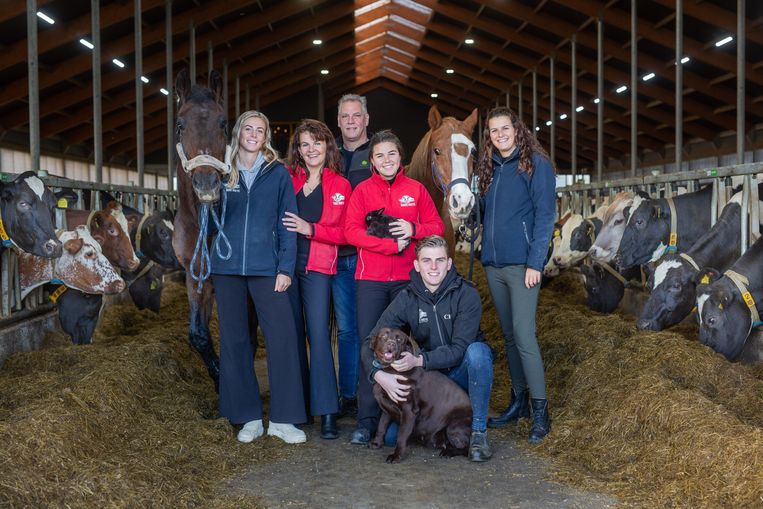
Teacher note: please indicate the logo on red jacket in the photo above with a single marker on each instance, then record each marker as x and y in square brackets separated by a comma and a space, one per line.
[337, 199]
[407, 201]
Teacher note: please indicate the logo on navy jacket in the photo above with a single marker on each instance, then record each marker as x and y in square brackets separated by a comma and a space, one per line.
[407, 201]
[337, 199]
[234, 190]
[423, 318]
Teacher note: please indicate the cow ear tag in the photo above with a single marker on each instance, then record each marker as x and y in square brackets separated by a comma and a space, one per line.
[62, 203]
[557, 232]
[705, 279]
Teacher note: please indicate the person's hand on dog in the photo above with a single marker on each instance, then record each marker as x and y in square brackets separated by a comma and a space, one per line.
[396, 391]
[407, 361]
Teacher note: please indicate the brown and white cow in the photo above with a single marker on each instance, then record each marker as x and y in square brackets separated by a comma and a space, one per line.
[111, 229]
[81, 266]
[613, 226]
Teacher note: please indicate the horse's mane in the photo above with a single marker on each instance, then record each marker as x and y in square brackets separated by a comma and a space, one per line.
[420, 159]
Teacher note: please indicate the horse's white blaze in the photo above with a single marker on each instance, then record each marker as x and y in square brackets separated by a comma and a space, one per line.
[460, 170]
[169, 225]
[662, 271]
[36, 186]
[658, 252]
[701, 299]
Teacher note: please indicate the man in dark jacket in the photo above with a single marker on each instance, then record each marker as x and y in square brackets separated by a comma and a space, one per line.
[442, 311]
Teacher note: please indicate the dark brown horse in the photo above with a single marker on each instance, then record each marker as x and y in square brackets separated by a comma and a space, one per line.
[201, 146]
[443, 162]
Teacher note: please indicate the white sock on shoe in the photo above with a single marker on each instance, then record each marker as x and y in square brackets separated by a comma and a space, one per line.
[287, 432]
[250, 431]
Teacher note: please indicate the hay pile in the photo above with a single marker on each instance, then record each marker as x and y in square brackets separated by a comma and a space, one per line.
[654, 418]
[130, 421]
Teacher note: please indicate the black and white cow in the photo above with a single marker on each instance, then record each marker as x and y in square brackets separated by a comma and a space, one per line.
[577, 237]
[605, 290]
[725, 318]
[26, 216]
[673, 278]
[647, 232]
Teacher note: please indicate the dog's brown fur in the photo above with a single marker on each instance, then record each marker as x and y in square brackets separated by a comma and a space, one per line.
[436, 411]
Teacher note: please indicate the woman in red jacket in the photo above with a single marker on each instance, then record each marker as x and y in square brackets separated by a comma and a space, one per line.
[384, 264]
[322, 196]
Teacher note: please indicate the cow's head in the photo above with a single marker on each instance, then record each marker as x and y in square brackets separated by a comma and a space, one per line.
[647, 226]
[673, 284]
[26, 206]
[110, 228]
[724, 318]
[563, 256]
[156, 239]
[611, 233]
[84, 267]
[604, 291]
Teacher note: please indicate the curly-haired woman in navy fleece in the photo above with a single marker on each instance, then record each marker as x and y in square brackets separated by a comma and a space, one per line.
[518, 183]
[322, 197]
[259, 192]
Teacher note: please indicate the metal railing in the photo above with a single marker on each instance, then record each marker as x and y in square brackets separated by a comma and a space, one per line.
[12, 307]
[585, 198]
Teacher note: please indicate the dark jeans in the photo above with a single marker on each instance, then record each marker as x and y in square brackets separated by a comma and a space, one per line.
[376, 296]
[239, 390]
[345, 311]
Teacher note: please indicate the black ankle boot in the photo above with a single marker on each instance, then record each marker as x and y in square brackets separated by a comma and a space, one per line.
[541, 421]
[518, 408]
[329, 428]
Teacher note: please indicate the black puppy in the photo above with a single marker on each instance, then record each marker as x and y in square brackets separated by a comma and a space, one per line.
[378, 224]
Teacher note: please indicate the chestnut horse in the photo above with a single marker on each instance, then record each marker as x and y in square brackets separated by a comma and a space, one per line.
[200, 138]
[443, 162]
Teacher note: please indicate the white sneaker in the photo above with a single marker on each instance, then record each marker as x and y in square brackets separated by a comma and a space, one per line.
[250, 431]
[287, 432]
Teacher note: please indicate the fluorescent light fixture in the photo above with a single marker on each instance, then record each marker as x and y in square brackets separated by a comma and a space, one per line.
[144, 79]
[317, 42]
[548, 122]
[621, 89]
[720, 43]
[164, 91]
[86, 43]
[45, 17]
[449, 71]
[324, 71]
[433, 95]
[647, 77]
[468, 40]
[685, 59]
[118, 63]
[579, 109]
[596, 100]
[562, 116]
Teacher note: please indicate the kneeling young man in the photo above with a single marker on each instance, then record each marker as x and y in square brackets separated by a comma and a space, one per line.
[442, 311]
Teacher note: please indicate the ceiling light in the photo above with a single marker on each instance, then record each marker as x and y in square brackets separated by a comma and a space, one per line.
[562, 116]
[433, 95]
[86, 43]
[647, 77]
[449, 71]
[317, 42]
[596, 100]
[723, 41]
[324, 71]
[118, 63]
[579, 109]
[164, 91]
[685, 59]
[548, 122]
[468, 40]
[621, 89]
[144, 79]
[45, 17]
[537, 128]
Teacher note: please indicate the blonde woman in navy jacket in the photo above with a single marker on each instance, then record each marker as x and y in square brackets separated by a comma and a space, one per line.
[322, 195]
[261, 266]
[518, 183]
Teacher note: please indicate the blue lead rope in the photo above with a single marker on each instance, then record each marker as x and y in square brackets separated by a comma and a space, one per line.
[202, 248]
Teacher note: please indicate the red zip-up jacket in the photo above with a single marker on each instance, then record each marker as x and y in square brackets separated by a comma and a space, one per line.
[328, 232]
[405, 198]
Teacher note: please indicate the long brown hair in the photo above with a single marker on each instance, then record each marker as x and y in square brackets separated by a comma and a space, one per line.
[320, 132]
[525, 141]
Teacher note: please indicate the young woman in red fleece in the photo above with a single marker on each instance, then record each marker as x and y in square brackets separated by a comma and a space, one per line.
[384, 264]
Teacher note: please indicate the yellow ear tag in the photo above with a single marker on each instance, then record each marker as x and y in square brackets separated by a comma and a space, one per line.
[557, 233]
[673, 239]
[3, 235]
[748, 299]
[720, 306]
[62, 203]
[659, 211]
[705, 279]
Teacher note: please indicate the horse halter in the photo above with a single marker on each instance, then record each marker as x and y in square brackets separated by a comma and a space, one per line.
[205, 160]
[437, 178]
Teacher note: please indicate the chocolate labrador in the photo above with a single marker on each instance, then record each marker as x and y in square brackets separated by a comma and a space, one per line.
[436, 411]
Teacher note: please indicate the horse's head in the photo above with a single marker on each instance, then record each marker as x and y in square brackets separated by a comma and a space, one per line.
[452, 155]
[201, 135]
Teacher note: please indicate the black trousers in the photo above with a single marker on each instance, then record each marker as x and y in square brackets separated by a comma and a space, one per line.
[239, 390]
[373, 297]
